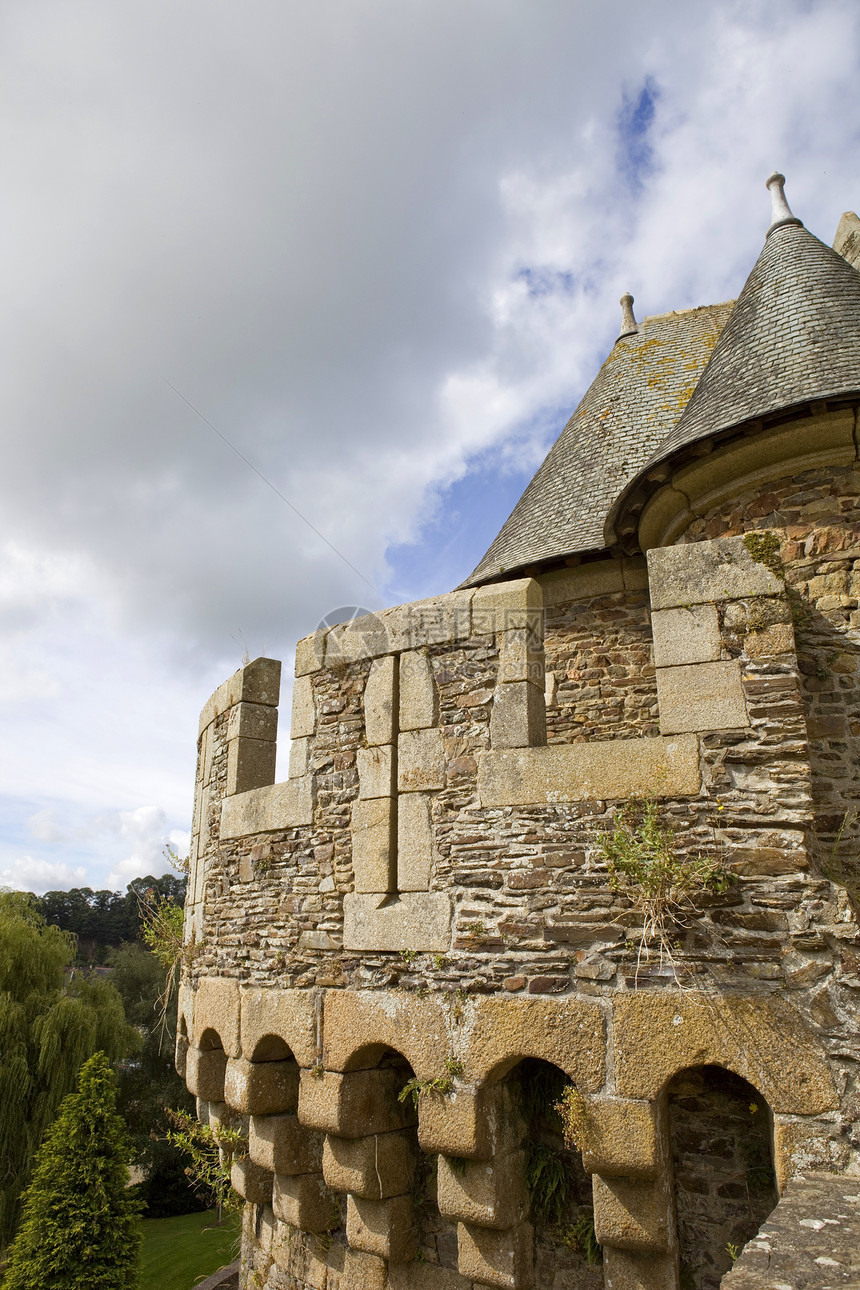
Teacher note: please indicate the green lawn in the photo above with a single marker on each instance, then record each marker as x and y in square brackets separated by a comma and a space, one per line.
[179, 1252]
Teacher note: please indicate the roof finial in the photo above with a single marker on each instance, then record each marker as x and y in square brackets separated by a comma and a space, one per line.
[628, 322]
[780, 210]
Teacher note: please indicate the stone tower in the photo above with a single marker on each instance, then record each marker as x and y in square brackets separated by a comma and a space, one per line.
[421, 972]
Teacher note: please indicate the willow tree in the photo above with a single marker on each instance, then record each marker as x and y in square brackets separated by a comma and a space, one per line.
[51, 1021]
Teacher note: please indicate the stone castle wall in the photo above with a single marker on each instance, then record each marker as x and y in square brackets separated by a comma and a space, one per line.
[426, 899]
[599, 666]
[817, 516]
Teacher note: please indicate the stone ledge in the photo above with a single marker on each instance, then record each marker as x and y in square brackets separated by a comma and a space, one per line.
[216, 1007]
[493, 1258]
[618, 768]
[418, 920]
[810, 1240]
[811, 442]
[360, 1024]
[599, 578]
[310, 653]
[621, 1138]
[637, 1270]
[701, 696]
[439, 620]
[250, 764]
[806, 1145]
[288, 1014]
[686, 635]
[707, 572]
[789, 449]
[287, 805]
[303, 719]
[632, 1214]
[567, 1031]
[226, 1278]
[436, 621]
[472, 1193]
[656, 1036]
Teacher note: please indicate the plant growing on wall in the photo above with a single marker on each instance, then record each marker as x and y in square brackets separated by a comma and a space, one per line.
[210, 1156]
[572, 1111]
[161, 929]
[547, 1181]
[441, 1084]
[663, 883]
[580, 1235]
[558, 1186]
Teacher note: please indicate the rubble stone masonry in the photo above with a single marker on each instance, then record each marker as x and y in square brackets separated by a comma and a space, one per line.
[427, 899]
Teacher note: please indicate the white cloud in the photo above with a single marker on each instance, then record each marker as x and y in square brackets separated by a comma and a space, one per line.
[146, 834]
[374, 244]
[30, 874]
[45, 827]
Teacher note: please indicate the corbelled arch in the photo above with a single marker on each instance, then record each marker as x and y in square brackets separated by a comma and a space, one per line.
[764, 1040]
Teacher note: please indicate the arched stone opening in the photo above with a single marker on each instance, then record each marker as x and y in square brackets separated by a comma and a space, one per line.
[721, 1142]
[559, 1189]
[279, 1146]
[272, 1048]
[268, 1084]
[370, 1151]
[391, 1185]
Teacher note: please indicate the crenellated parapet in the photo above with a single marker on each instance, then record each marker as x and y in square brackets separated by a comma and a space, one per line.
[422, 730]
[422, 905]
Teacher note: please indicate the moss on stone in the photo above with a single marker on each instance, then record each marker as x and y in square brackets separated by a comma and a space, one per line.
[765, 549]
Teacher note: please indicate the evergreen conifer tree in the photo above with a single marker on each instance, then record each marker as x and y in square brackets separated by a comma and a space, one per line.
[81, 1223]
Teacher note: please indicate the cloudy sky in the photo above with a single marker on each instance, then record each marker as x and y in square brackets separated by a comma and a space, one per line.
[377, 245]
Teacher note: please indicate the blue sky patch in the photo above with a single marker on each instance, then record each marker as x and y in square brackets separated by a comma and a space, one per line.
[542, 280]
[635, 120]
[470, 513]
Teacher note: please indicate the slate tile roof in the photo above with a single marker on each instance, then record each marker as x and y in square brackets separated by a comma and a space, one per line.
[633, 403]
[792, 337]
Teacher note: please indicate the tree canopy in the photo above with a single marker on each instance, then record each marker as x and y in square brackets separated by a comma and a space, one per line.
[101, 919]
[51, 1020]
[80, 1224]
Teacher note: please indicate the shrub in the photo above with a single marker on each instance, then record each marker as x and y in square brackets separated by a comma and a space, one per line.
[662, 882]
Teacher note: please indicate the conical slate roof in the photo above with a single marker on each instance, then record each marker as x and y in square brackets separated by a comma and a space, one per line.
[794, 336]
[632, 405]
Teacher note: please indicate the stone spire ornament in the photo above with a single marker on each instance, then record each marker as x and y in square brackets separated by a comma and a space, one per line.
[780, 210]
[629, 326]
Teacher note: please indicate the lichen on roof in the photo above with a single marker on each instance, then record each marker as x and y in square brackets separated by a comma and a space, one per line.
[633, 403]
